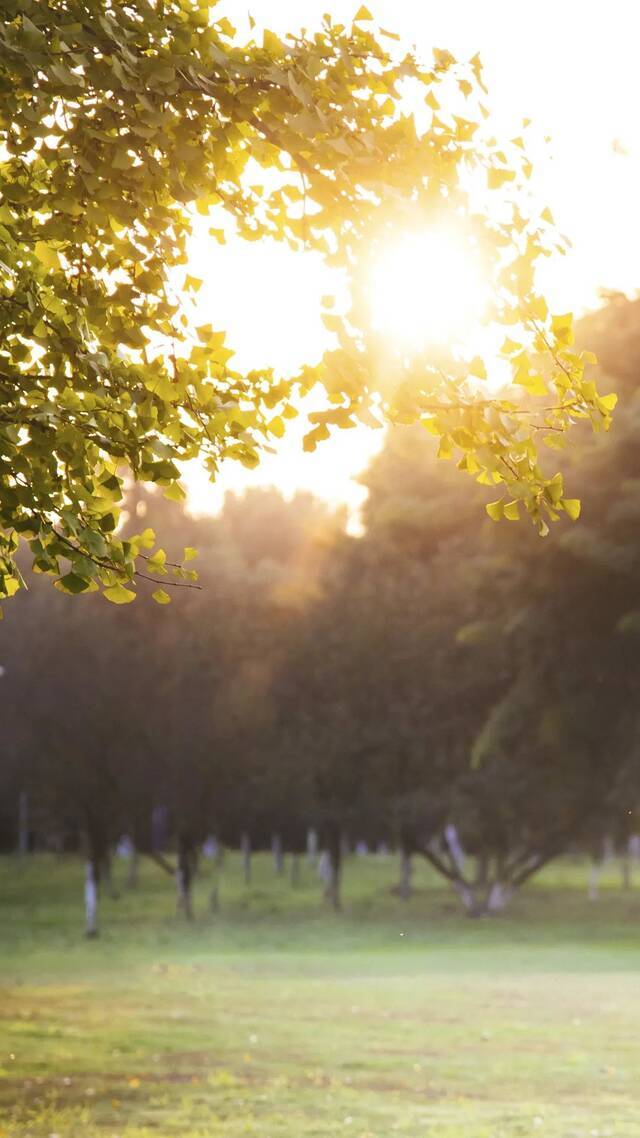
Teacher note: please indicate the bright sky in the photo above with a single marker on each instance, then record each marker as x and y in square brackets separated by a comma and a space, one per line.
[568, 65]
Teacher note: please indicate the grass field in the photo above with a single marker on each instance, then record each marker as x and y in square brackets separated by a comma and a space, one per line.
[277, 1019]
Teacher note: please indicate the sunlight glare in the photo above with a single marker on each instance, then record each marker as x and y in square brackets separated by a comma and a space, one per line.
[427, 288]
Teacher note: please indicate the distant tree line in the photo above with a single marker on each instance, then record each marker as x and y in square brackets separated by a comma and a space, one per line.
[462, 691]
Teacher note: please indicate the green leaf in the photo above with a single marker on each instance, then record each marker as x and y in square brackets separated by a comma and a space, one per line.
[72, 583]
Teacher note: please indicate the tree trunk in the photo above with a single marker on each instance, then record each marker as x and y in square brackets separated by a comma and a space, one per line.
[184, 878]
[245, 847]
[455, 847]
[498, 897]
[91, 890]
[295, 870]
[406, 873]
[214, 898]
[131, 881]
[107, 876]
[472, 905]
[23, 825]
[335, 848]
[278, 855]
[595, 870]
[312, 847]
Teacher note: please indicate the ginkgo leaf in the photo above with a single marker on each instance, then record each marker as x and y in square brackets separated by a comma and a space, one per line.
[572, 507]
[497, 176]
[119, 595]
[46, 255]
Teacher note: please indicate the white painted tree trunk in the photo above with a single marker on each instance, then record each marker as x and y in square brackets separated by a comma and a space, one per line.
[91, 898]
[183, 899]
[245, 847]
[312, 847]
[499, 897]
[406, 873]
[455, 847]
[332, 886]
[278, 854]
[183, 890]
[467, 896]
[333, 870]
[594, 880]
[323, 868]
[295, 870]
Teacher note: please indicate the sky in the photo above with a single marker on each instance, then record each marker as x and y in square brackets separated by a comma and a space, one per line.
[568, 65]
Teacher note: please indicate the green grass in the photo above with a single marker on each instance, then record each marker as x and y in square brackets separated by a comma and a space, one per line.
[277, 1019]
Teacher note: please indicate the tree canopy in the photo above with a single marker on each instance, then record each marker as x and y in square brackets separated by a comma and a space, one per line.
[118, 124]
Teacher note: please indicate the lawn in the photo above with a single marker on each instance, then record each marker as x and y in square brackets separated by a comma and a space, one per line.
[277, 1019]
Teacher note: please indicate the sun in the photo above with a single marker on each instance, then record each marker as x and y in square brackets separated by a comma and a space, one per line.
[428, 288]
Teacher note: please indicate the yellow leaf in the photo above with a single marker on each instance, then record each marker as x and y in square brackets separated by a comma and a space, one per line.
[118, 595]
[174, 492]
[160, 597]
[510, 347]
[495, 510]
[46, 255]
[562, 327]
[512, 511]
[362, 15]
[192, 284]
[271, 43]
[498, 176]
[477, 368]
[572, 507]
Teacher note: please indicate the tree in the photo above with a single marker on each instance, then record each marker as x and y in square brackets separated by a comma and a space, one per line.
[383, 694]
[117, 122]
